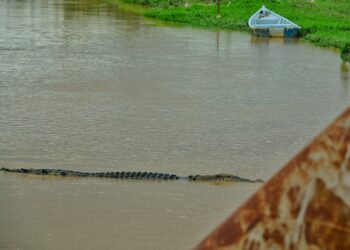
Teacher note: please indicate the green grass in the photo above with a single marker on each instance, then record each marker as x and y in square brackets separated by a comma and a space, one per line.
[323, 22]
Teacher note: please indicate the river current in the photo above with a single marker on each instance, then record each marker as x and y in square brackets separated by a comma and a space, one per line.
[87, 86]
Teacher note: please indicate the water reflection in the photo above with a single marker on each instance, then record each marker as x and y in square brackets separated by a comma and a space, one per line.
[218, 40]
[345, 79]
[345, 72]
[266, 40]
[86, 86]
[77, 6]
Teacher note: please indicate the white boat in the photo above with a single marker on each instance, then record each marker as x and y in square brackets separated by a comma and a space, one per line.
[267, 23]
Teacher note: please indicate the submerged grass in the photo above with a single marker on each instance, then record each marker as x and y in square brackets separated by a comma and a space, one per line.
[130, 7]
[323, 22]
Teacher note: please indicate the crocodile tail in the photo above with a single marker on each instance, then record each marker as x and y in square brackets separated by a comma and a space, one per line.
[114, 175]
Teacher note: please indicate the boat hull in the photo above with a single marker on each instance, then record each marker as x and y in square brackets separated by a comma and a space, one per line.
[306, 205]
[277, 32]
[267, 23]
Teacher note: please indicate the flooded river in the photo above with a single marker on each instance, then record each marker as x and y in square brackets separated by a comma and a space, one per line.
[86, 86]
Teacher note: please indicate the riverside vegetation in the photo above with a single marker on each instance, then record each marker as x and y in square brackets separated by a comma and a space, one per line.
[324, 22]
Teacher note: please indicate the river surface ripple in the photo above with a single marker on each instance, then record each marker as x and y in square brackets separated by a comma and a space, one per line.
[85, 86]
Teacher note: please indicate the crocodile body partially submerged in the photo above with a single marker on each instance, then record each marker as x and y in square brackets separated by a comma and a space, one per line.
[132, 175]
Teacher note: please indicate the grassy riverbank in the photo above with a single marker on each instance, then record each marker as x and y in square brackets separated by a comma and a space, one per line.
[323, 22]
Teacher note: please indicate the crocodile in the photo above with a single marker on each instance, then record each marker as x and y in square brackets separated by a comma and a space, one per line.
[132, 175]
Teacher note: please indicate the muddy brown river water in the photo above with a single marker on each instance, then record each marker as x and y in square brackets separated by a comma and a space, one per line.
[86, 86]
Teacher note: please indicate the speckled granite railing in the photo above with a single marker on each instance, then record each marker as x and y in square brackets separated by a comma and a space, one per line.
[306, 205]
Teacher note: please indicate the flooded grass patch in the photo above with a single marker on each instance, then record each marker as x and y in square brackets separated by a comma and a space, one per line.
[129, 6]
